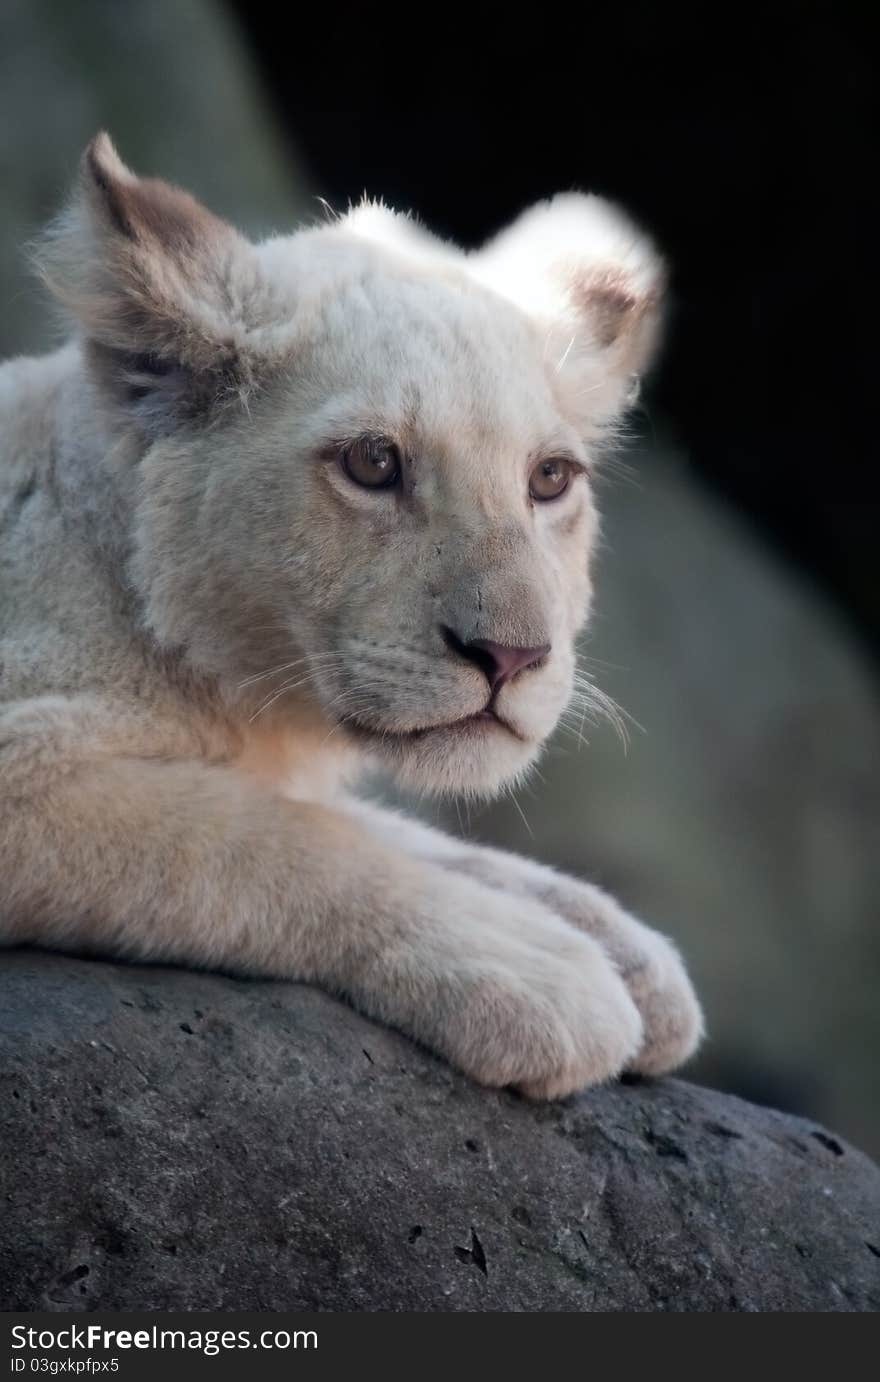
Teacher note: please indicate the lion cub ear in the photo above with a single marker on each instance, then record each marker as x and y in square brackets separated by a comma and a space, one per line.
[595, 284]
[149, 275]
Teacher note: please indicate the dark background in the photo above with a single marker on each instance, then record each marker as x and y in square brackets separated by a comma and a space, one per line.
[742, 138]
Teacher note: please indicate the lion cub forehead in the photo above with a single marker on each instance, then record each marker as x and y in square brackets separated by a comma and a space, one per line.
[331, 277]
[409, 343]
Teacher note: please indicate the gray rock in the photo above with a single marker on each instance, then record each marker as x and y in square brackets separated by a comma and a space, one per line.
[171, 1140]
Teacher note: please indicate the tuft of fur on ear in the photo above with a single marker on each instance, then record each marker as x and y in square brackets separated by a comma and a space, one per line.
[594, 282]
[150, 276]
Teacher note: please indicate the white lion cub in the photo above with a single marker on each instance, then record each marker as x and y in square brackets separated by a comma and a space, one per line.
[278, 511]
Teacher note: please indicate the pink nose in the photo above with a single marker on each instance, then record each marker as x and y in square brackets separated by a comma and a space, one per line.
[497, 661]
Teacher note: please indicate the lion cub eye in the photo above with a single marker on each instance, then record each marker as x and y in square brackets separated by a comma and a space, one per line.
[550, 478]
[372, 463]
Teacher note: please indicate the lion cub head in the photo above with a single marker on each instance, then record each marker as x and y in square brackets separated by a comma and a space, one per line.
[358, 458]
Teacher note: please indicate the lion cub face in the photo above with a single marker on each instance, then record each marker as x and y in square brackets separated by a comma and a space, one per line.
[365, 471]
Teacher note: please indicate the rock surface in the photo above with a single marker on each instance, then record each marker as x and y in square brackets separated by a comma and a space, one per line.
[171, 1140]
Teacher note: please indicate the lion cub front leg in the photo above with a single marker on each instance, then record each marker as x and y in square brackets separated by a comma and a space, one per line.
[647, 961]
[183, 861]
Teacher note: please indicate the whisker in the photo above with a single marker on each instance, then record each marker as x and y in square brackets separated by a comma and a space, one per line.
[597, 662]
[291, 685]
[321, 659]
[272, 672]
[522, 813]
[345, 719]
[603, 705]
[561, 364]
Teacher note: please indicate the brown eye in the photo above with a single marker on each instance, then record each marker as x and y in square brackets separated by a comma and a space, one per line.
[372, 463]
[550, 479]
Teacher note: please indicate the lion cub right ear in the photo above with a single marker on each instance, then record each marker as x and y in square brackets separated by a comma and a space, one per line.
[595, 284]
[150, 276]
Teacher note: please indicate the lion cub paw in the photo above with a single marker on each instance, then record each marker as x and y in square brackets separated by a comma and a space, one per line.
[652, 970]
[539, 1007]
[670, 1009]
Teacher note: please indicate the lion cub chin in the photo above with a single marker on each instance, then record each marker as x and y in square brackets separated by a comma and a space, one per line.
[282, 511]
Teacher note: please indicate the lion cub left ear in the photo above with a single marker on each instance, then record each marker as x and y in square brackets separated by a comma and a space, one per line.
[594, 283]
[152, 279]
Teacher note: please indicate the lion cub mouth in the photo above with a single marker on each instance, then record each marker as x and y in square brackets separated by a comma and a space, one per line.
[481, 722]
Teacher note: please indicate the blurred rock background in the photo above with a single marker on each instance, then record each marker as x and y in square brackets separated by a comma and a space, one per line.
[744, 817]
[174, 85]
